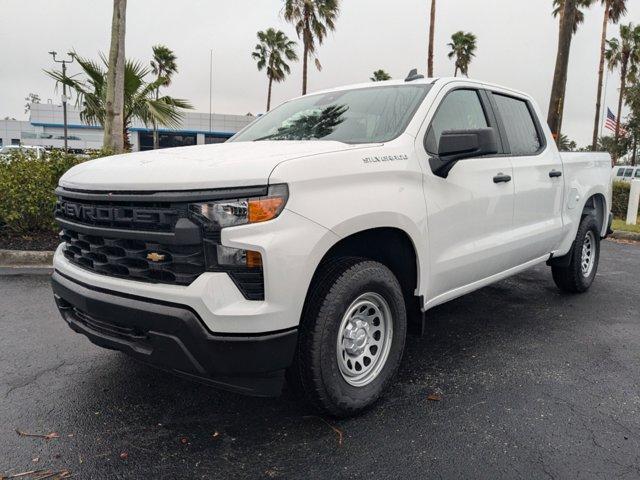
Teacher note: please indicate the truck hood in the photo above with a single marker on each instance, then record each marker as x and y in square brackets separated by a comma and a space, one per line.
[191, 168]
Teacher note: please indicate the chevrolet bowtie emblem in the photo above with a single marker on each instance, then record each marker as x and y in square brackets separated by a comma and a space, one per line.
[155, 257]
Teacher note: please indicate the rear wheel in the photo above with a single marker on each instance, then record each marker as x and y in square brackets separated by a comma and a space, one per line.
[578, 276]
[351, 336]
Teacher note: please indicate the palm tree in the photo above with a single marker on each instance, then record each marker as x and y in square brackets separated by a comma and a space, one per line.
[163, 66]
[624, 53]
[380, 76]
[565, 144]
[558, 6]
[614, 10]
[570, 18]
[271, 52]
[463, 46]
[312, 20]
[432, 31]
[114, 95]
[139, 96]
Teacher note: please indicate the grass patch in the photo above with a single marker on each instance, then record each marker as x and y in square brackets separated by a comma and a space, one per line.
[622, 225]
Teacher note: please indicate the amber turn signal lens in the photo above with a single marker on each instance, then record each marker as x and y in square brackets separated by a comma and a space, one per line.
[254, 259]
[263, 209]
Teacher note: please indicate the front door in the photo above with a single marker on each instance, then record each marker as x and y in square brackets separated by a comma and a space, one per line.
[470, 212]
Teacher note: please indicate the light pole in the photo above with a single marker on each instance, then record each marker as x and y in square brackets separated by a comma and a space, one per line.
[210, 88]
[64, 91]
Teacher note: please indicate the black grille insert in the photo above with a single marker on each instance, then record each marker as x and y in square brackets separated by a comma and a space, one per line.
[134, 259]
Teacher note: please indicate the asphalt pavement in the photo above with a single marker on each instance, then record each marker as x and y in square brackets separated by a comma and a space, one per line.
[525, 382]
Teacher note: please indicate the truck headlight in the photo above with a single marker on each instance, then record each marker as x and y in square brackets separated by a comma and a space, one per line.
[229, 213]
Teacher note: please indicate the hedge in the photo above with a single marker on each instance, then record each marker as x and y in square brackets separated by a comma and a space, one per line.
[620, 201]
[27, 187]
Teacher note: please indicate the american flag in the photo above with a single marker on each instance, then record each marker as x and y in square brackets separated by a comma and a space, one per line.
[611, 123]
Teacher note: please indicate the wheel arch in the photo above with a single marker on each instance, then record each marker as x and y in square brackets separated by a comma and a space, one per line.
[393, 247]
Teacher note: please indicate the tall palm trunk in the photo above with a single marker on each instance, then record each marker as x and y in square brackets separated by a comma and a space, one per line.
[623, 86]
[455, 72]
[114, 115]
[559, 87]
[305, 57]
[156, 137]
[269, 94]
[432, 29]
[603, 43]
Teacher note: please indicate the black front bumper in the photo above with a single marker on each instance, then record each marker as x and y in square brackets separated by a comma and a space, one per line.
[173, 337]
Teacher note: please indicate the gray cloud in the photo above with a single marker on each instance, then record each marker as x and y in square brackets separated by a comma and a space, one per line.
[516, 47]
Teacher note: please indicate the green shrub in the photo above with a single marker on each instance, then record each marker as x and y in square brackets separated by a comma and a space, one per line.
[27, 187]
[620, 201]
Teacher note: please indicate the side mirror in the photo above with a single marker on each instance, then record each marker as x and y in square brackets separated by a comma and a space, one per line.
[457, 145]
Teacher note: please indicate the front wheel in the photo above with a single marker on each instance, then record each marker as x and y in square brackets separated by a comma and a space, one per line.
[351, 336]
[578, 276]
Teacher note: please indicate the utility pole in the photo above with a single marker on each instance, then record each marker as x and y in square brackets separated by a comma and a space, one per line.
[210, 87]
[64, 91]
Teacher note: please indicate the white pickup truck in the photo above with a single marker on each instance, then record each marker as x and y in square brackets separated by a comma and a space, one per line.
[309, 244]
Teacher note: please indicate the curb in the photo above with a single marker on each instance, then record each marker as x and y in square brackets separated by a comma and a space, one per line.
[25, 258]
[622, 235]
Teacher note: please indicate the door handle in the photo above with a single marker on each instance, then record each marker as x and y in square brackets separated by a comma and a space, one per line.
[555, 173]
[501, 178]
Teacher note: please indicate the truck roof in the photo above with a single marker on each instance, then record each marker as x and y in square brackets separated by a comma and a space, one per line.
[422, 81]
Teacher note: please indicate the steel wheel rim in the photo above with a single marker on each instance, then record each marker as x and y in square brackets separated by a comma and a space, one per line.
[364, 339]
[587, 259]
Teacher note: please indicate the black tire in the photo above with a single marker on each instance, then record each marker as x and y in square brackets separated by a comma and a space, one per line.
[316, 372]
[572, 278]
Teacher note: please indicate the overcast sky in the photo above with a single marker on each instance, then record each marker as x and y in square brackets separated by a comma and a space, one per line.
[516, 47]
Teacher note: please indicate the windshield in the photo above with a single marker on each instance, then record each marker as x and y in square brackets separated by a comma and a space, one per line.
[364, 115]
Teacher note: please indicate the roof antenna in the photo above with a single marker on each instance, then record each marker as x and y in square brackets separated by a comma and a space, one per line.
[413, 75]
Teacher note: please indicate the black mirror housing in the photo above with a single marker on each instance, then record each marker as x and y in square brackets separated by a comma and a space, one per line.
[457, 145]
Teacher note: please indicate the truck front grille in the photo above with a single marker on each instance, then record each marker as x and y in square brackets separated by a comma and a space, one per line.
[148, 236]
[134, 259]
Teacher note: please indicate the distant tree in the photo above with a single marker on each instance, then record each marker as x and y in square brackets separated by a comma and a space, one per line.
[312, 20]
[163, 66]
[432, 31]
[624, 53]
[139, 96]
[114, 131]
[617, 148]
[272, 52]
[380, 76]
[570, 17]
[31, 98]
[614, 10]
[463, 47]
[566, 145]
[632, 99]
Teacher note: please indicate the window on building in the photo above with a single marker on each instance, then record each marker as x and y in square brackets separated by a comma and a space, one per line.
[167, 140]
[522, 133]
[460, 110]
[15, 141]
[210, 138]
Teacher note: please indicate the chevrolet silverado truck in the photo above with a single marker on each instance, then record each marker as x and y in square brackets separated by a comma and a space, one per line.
[309, 244]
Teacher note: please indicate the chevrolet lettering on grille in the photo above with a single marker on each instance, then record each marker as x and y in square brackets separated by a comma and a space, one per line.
[114, 214]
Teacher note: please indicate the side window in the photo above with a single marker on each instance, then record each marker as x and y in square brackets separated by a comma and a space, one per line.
[460, 110]
[628, 172]
[519, 125]
[638, 173]
[620, 172]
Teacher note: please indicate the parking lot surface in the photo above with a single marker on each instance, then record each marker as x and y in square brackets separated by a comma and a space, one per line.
[525, 382]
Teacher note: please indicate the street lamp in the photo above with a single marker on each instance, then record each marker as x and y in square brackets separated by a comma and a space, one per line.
[64, 90]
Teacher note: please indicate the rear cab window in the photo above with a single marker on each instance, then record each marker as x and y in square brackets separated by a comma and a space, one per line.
[520, 125]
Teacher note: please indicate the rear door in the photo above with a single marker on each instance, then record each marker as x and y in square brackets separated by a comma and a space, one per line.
[537, 177]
